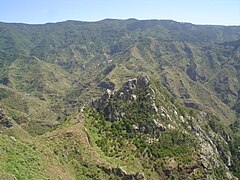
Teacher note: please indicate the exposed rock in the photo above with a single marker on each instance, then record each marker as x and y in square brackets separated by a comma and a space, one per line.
[163, 115]
[229, 176]
[151, 140]
[135, 127]
[69, 134]
[151, 89]
[211, 150]
[4, 120]
[160, 126]
[182, 119]
[122, 114]
[170, 126]
[118, 171]
[169, 165]
[121, 96]
[213, 155]
[127, 92]
[175, 112]
[154, 108]
[133, 97]
[168, 117]
[101, 103]
[131, 84]
[13, 138]
[130, 87]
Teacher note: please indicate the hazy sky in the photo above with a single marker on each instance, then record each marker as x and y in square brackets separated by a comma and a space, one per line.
[224, 12]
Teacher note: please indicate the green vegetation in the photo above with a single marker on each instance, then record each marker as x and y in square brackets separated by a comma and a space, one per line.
[183, 124]
[28, 160]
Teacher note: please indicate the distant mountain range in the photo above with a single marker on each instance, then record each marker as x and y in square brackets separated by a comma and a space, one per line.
[119, 99]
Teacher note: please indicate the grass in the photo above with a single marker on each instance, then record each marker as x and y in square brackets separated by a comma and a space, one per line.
[29, 160]
[27, 110]
[29, 74]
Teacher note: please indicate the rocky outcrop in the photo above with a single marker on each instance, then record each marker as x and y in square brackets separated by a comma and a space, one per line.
[214, 151]
[127, 92]
[5, 121]
[118, 171]
[110, 101]
[102, 102]
[138, 102]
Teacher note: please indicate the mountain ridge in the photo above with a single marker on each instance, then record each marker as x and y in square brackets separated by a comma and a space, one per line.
[116, 19]
[51, 74]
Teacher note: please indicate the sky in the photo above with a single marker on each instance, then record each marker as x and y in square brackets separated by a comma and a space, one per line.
[216, 12]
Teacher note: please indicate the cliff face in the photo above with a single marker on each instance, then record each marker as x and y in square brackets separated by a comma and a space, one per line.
[151, 120]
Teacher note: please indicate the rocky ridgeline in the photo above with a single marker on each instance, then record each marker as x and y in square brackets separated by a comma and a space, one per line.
[110, 103]
[127, 92]
[213, 151]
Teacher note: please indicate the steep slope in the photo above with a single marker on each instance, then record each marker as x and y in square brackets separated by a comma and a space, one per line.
[24, 157]
[139, 132]
[140, 120]
[29, 74]
[32, 91]
[28, 160]
[32, 114]
[165, 98]
[187, 73]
